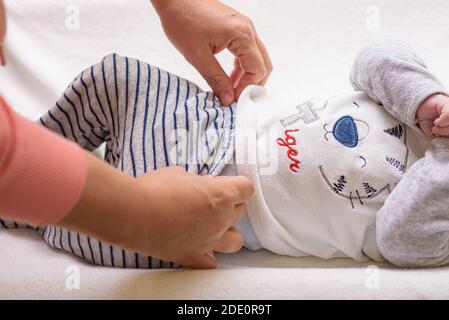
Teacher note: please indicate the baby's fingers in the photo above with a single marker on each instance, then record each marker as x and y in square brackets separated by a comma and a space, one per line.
[441, 131]
[442, 120]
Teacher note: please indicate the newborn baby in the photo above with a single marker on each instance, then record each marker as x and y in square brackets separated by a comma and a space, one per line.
[323, 167]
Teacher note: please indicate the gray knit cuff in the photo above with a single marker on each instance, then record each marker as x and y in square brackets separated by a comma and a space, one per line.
[417, 98]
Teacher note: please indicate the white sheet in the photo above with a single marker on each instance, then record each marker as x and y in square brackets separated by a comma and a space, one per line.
[29, 269]
[312, 43]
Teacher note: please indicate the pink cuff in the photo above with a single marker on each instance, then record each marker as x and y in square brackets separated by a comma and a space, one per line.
[42, 175]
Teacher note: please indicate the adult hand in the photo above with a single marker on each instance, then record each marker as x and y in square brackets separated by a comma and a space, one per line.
[199, 29]
[169, 214]
[195, 215]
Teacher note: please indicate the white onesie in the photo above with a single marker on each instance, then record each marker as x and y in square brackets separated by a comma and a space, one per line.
[322, 169]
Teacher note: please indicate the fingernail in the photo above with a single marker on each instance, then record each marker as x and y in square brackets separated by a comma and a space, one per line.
[226, 98]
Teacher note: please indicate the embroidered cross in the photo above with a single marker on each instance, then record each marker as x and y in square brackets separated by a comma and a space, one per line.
[305, 113]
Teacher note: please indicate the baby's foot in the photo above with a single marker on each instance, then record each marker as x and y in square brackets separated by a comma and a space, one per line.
[433, 116]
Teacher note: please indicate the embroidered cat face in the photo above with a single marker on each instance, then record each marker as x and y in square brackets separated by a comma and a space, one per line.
[359, 152]
[382, 150]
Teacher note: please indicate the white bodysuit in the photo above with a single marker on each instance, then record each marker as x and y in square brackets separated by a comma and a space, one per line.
[322, 169]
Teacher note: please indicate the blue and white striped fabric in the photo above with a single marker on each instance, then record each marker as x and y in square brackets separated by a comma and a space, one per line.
[149, 119]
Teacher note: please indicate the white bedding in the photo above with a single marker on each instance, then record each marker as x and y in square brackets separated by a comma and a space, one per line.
[312, 43]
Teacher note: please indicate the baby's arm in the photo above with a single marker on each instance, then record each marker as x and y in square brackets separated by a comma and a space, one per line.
[413, 225]
[393, 74]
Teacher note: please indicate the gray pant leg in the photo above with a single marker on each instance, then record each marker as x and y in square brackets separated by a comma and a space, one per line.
[413, 224]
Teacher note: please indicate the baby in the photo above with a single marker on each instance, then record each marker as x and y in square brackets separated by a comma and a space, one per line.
[326, 171]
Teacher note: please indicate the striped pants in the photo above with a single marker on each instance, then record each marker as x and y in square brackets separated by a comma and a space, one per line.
[149, 119]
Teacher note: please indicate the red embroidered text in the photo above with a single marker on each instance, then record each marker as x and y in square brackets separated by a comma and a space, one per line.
[290, 143]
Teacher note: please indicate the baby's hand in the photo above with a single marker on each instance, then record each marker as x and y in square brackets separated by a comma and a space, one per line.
[433, 116]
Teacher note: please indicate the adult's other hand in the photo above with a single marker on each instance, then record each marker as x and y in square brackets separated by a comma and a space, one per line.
[200, 29]
[169, 214]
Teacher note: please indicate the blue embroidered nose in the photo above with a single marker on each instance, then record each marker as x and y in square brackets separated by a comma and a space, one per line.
[345, 132]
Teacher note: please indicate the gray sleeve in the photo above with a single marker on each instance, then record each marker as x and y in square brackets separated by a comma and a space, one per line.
[412, 228]
[391, 73]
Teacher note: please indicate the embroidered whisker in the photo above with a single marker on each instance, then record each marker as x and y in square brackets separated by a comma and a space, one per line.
[340, 185]
[397, 164]
[369, 190]
[358, 196]
[397, 131]
[350, 199]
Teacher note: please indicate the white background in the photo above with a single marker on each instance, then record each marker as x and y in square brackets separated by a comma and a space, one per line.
[312, 42]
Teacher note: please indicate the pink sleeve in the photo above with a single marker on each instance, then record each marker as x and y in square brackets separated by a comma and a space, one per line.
[42, 175]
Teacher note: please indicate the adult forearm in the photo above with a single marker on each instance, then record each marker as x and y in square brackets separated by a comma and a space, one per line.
[45, 179]
[111, 205]
[41, 174]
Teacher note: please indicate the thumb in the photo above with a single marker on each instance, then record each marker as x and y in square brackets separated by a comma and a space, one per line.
[211, 70]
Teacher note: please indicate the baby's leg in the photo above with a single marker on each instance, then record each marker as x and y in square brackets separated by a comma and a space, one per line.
[135, 108]
[93, 110]
[413, 225]
[8, 224]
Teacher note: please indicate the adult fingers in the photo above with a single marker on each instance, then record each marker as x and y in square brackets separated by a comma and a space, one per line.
[210, 69]
[232, 241]
[242, 186]
[231, 218]
[236, 73]
[202, 261]
[266, 59]
[251, 63]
